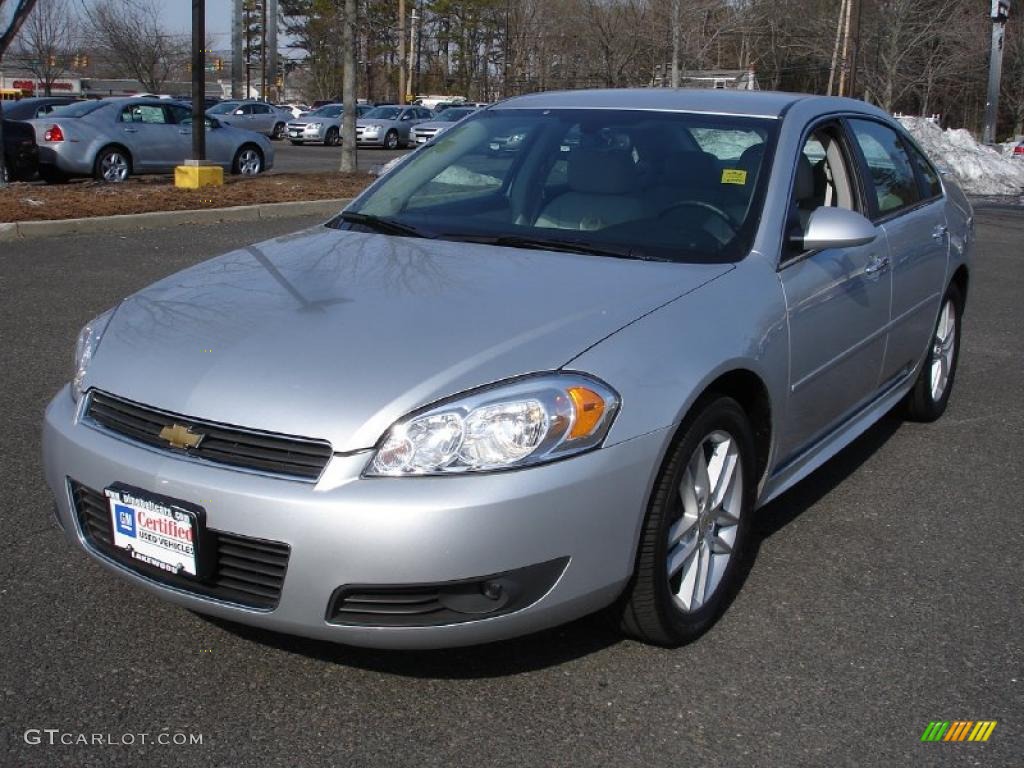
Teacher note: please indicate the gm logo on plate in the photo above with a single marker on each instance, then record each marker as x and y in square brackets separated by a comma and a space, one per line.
[125, 520]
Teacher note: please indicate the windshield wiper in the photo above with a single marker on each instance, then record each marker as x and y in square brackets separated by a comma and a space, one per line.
[562, 246]
[385, 226]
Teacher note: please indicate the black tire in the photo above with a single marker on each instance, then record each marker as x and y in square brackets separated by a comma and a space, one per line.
[648, 610]
[391, 139]
[296, 143]
[332, 138]
[240, 155]
[113, 165]
[279, 132]
[921, 403]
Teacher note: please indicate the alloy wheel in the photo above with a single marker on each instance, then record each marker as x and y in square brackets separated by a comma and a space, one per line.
[114, 167]
[249, 162]
[702, 540]
[943, 349]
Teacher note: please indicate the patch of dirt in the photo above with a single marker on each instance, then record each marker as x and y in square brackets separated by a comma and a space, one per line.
[79, 199]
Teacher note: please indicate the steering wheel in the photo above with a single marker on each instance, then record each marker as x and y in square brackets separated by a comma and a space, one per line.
[706, 206]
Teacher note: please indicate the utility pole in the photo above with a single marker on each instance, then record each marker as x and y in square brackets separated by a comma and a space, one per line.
[410, 87]
[675, 43]
[1000, 12]
[237, 48]
[401, 51]
[198, 80]
[348, 88]
[835, 48]
[263, 49]
[846, 49]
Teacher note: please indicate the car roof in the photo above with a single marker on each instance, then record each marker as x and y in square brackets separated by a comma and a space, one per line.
[772, 104]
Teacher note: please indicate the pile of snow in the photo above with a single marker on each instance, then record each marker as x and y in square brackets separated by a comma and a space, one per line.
[981, 170]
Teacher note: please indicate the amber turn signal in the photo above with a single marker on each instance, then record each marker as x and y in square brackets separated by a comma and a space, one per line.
[589, 407]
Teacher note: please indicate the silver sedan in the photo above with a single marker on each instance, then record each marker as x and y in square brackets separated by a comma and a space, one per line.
[503, 390]
[390, 127]
[112, 139]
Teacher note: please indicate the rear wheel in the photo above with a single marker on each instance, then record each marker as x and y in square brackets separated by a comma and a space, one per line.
[248, 161]
[332, 138]
[112, 165]
[391, 139]
[296, 143]
[694, 537]
[928, 399]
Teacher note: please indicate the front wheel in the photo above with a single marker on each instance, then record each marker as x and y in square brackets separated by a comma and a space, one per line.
[279, 132]
[248, 161]
[391, 140]
[928, 399]
[692, 545]
[332, 138]
[112, 165]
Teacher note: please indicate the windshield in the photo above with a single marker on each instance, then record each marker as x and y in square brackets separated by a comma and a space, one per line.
[660, 185]
[78, 109]
[383, 113]
[223, 107]
[454, 114]
[331, 110]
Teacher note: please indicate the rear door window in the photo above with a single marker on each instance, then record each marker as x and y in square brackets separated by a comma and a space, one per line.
[891, 175]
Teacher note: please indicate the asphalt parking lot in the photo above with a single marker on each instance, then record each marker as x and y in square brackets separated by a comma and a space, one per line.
[316, 158]
[886, 593]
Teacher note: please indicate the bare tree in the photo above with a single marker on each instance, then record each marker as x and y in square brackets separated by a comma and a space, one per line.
[131, 34]
[15, 12]
[47, 41]
[348, 120]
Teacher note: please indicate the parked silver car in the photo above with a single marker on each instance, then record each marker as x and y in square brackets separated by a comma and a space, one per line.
[114, 138]
[321, 126]
[424, 132]
[255, 116]
[501, 391]
[390, 126]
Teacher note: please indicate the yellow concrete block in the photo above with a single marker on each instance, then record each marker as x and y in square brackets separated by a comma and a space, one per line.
[196, 176]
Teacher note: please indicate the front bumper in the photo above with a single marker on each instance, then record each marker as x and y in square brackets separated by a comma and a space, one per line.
[374, 140]
[306, 133]
[345, 530]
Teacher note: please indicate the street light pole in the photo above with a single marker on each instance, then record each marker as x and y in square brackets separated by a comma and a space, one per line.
[198, 80]
[1000, 12]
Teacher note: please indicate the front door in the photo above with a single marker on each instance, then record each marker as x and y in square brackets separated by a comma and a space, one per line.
[146, 130]
[837, 301]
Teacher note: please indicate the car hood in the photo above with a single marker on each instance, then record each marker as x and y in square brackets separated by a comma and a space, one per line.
[440, 125]
[335, 334]
[380, 123]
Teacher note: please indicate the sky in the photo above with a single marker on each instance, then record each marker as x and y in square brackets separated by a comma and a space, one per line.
[178, 16]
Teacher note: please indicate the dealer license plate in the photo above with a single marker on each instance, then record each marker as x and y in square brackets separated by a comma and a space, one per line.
[156, 531]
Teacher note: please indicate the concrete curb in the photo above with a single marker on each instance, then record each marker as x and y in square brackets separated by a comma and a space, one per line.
[155, 219]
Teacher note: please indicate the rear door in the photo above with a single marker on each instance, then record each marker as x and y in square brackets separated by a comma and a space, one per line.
[908, 204]
[263, 118]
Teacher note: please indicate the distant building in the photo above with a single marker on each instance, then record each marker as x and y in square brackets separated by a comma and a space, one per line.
[734, 79]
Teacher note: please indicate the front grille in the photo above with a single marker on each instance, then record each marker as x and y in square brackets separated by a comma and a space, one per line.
[261, 451]
[247, 571]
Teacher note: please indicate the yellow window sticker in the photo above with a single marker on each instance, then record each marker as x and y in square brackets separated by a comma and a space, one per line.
[734, 176]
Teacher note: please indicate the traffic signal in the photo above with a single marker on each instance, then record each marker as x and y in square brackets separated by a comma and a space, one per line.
[279, 82]
[218, 64]
[52, 60]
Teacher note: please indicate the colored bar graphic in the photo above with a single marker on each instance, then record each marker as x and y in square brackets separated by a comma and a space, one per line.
[958, 730]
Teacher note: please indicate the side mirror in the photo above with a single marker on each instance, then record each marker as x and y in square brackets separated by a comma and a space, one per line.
[238, 112]
[835, 228]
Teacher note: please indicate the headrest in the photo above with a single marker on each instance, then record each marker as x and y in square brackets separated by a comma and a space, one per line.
[750, 160]
[601, 172]
[691, 169]
[803, 190]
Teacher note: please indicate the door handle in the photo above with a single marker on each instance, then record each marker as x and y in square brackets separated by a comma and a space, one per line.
[185, 132]
[940, 231]
[131, 130]
[876, 265]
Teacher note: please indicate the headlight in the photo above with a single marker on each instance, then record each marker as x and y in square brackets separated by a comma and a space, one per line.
[315, 126]
[519, 423]
[88, 340]
[371, 130]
